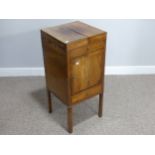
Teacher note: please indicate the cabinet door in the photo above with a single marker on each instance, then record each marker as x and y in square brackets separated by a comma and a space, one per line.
[95, 67]
[86, 71]
[79, 74]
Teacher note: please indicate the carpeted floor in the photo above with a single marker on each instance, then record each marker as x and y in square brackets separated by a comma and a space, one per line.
[129, 108]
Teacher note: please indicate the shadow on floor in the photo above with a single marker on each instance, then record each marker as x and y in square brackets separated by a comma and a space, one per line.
[81, 112]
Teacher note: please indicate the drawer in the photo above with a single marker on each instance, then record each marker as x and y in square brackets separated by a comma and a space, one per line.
[96, 42]
[77, 44]
[78, 52]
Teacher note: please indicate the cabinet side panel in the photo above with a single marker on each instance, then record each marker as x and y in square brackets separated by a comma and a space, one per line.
[55, 61]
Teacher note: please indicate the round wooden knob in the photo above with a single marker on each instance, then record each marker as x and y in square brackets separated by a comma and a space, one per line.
[77, 63]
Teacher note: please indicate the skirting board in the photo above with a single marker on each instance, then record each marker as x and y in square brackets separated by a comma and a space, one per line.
[110, 70]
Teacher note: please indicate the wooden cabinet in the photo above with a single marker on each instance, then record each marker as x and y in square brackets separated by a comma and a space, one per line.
[74, 58]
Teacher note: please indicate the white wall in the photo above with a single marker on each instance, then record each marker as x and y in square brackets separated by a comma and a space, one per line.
[130, 42]
[20, 44]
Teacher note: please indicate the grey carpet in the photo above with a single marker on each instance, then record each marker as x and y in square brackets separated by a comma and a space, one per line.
[129, 108]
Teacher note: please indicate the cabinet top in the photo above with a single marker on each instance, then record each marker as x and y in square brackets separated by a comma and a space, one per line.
[71, 32]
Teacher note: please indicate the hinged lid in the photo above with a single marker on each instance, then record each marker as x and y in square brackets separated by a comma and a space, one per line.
[72, 33]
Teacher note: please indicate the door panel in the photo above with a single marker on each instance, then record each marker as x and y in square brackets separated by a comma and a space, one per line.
[79, 74]
[95, 63]
[86, 71]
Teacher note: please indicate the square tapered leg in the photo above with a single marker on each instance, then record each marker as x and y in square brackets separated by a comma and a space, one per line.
[49, 101]
[70, 119]
[100, 109]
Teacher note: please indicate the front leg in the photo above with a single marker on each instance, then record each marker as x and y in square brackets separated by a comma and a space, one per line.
[100, 109]
[49, 101]
[70, 119]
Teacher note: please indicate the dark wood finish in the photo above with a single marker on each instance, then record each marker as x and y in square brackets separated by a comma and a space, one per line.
[55, 68]
[100, 109]
[74, 59]
[79, 75]
[96, 42]
[70, 119]
[95, 60]
[49, 101]
[87, 93]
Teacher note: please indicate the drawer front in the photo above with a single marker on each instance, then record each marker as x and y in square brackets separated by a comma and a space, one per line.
[77, 44]
[96, 42]
[78, 52]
